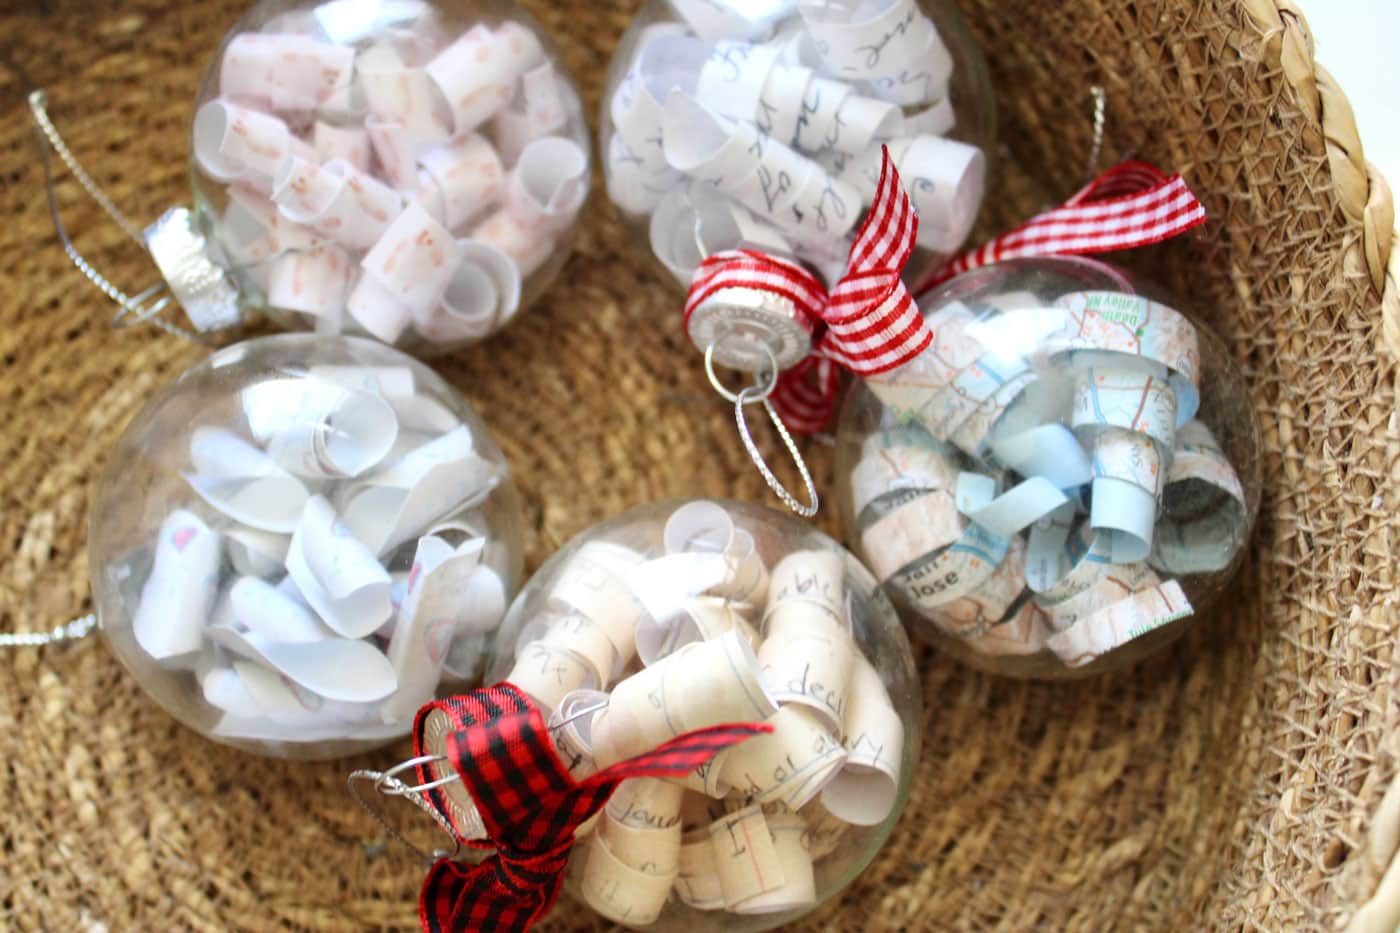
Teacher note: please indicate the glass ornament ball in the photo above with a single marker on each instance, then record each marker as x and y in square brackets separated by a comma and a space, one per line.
[411, 172]
[300, 541]
[760, 125]
[1064, 480]
[675, 616]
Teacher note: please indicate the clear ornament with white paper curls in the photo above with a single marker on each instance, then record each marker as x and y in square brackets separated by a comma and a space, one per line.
[679, 615]
[760, 125]
[1063, 480]
[411, 171]
[299, 539]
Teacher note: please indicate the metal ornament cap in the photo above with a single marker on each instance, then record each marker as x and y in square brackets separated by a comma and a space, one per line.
[199, 283]
[749, 328]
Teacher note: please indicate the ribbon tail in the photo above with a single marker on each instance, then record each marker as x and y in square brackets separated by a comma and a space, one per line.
[805, 396]
[457, 897]
[681, 755]
[1130, 205]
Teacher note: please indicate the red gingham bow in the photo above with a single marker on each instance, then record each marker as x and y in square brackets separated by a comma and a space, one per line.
[868, 323]
[1131, 204]
[530, 805]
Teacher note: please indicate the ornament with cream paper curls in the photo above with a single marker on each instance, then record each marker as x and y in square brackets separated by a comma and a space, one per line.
[1069, 471]
[665, 622]
[409, 171]
[298, 540]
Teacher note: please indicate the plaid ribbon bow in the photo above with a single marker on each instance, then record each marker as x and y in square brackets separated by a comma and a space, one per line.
[868, 324]
[1131, 204]
[530, 805]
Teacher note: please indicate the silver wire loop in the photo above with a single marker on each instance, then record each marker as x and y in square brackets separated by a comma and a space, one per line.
[390, 786]
[69, 631]
[134, 307]
[742, 422]
[760, 391]
[1100, 97]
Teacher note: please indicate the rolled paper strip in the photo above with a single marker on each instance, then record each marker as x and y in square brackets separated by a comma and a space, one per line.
[243, 482]
[733, 78]
[362, 210]
[706, 780]
[984, 617]
[1007, 512]
[334, 668]
[823, 211]
[223, 689]
[436, 610]
[469, 174]
[286, 72]
[1126, 487]
[272, 613]
[414, 259]
[653, 849]
[391, 382]
[697, 880]
[260, 690]
[799, 888]
[899, 474]
[1132, 399]
[1050, 451]
[346, 143]
[548, 184]
[922, 525]
[746, 858]
[513, 129]
[1117, 581]
[254, 207]
[808, 578]
[233, 143]
[428, 195]
[587, 639]
[926, 80]
[549, 673]
[393, 150]
[935, 120]
[824, 831]
[703, 684]
[378, 310]
[483, 293]
[720, 224]
[528, 247]
[1138, 326]
[618, 891]
[674, 234]
[630, 187]
[177, 597]
[861, 122]
[1120, 622]
[593, 584]
[303, 192]
[888, 39]
[660, 635]
[706, 527]
[806, 662]
[398, 93]
[664, 62]
[312, 281]
[864, 791]
[431, 482]
[255, 553]
[317, 429]
[338, 575]
[571, 726]
[915, 391]
[792, 764]
[760, 173]
[477, 73]
[954, 572]
[647, 803]
[1201, 526]
[945, 179]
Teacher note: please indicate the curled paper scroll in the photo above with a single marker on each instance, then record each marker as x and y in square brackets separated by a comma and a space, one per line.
[477, 73]
[287, 72]
[179, 593]
[317, 429]
[338, 575]
[243, 482]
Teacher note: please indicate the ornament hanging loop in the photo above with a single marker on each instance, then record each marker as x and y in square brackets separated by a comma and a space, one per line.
[758, 393]
[388, 784]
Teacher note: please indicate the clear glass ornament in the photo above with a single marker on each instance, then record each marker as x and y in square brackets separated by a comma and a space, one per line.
[678, 615]
[300, 541]
[760, 125]
[1063, 480]
[408, 171]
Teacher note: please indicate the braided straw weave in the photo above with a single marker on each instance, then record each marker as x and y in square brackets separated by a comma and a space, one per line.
[1244, 779]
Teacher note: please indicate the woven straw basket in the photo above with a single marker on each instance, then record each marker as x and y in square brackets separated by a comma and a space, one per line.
[1244, 779]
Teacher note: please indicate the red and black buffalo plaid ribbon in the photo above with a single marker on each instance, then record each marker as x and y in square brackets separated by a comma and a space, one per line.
[530, 805]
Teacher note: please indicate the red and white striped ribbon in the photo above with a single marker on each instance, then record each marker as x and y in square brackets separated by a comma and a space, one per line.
[1132, 204]
[868, 323]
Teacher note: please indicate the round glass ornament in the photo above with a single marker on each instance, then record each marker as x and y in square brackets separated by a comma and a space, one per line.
[731, 125]
[412, 172]
[678, 615]
[295, 542]
[1063, 479]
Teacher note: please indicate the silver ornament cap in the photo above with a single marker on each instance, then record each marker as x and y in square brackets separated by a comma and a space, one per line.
[200, 284]
[748, 327]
